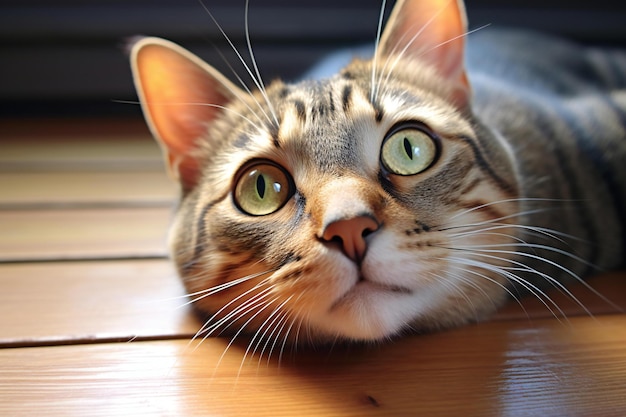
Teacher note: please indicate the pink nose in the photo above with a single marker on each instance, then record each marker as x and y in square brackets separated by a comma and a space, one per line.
[351, 233]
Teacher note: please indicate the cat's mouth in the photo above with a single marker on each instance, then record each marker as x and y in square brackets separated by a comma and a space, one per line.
[365, 286]
[385, 287]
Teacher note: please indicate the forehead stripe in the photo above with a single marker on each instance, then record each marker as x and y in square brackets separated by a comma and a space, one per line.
[300, 110]
[346, 97]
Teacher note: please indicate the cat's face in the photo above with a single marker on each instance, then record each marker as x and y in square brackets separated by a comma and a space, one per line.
[353, 207]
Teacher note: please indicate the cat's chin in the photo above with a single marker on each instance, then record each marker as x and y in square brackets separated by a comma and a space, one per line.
[371, 311]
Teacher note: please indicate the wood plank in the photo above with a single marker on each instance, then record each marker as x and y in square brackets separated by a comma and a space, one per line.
[83, 153]
[89, 144]
[53, 188]
[83, 233]
[543, 369]
[78, 302]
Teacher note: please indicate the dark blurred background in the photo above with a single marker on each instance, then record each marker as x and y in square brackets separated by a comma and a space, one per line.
[65, 58]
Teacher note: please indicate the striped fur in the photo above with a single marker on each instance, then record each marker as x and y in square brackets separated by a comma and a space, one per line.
[527, 191]
[571, 141]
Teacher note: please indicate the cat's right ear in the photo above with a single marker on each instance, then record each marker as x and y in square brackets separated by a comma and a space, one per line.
[180, 95]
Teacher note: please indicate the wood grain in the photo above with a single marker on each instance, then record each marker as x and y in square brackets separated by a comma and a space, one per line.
[83, 233]
[86, 302]
[52, 189]
[495, 369]
[97, 152]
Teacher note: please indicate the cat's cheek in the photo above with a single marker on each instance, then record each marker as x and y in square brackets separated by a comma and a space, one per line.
[328, 277]
[402, 263]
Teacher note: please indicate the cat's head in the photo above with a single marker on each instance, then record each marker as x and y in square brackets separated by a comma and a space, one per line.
[352, 207]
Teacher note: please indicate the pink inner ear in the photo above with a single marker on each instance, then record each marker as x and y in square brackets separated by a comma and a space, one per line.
[432, 31]
[180, 96]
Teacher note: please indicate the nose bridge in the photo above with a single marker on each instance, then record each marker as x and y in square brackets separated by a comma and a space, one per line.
[347, 215]
[344, 199]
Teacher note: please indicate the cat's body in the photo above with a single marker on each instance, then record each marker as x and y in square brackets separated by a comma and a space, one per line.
[396, 194]
[563, 110]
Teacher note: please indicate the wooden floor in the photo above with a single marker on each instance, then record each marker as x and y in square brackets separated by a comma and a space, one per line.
[93, 319]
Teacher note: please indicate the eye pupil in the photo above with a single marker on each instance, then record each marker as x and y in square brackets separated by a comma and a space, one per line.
[260, 185]
[408, 148]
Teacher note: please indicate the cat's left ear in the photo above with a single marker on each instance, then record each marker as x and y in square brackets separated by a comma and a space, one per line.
[431, 31]
[180, 96]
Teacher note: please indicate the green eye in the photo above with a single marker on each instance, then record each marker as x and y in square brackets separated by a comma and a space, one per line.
[262, 189]
[408, 151]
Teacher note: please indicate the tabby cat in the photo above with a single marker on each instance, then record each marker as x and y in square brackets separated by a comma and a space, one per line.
[413, 191]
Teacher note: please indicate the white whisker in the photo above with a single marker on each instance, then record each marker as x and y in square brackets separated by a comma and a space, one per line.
[265, 332]
[260, 84]
[242, 328]
[374, 85]
[548, 278]
[243, 61]
[531, 288]
[459, 290]
[261, 333]
[214, 290]
[493, 281]
[475, 233]
[292, 321]
[482, 252]
[455, 38]
[555, 283]
[538, 231]
[235, 314]
[211, 325]
[492, 221]
[248, 90]
[487, 248]
[509, 200]
[290, 317]
[261, 307]
[275, 336]
[296, 338]
[217, 106]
